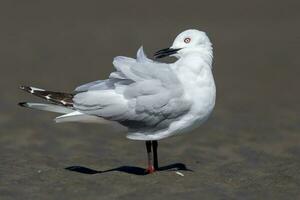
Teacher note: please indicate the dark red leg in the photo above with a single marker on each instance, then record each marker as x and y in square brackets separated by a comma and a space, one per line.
[155, 159]
[150, 168]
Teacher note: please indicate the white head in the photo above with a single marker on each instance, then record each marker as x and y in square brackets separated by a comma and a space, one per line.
[189, 41]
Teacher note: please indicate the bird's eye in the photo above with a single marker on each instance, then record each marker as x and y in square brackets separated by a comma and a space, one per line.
[187, 40]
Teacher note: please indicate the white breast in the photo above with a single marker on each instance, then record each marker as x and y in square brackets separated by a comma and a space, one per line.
[197, 80]
[199, 86]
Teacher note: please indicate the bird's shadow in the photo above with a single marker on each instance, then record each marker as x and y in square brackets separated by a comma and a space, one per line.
[128, 169]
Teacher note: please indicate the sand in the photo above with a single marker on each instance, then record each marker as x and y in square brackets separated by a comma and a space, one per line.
[248, 149]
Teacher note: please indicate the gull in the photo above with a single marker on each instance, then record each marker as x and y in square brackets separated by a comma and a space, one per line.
[151, 99]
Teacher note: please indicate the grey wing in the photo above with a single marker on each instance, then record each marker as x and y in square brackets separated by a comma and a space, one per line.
[156, 111]
[140, 94]
[100, 85]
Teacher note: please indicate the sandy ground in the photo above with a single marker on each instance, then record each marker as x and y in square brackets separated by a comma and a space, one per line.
[248, 149]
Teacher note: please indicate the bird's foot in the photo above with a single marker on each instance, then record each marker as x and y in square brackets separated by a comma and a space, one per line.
[150, 169]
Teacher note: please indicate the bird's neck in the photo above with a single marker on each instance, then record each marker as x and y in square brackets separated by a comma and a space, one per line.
[194, 61]
[199, 54]
[195, 69]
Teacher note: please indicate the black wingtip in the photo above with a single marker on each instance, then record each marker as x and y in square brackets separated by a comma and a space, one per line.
[23, 104]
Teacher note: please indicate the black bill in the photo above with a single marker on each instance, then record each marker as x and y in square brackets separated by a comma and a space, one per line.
[165, 52]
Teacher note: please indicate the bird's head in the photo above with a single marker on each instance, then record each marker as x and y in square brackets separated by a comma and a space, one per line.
[188, 41]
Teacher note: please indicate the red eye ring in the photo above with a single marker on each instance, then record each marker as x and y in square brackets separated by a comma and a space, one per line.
[187, 40]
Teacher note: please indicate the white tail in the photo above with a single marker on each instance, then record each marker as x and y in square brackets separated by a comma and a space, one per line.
[47, 107]
[77, 116]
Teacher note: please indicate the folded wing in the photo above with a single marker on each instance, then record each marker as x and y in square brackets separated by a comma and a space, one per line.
[141, 94]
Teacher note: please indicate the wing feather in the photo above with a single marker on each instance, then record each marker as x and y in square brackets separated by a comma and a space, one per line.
[140, 94]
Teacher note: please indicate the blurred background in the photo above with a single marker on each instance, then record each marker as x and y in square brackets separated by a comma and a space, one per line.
[248, 149]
